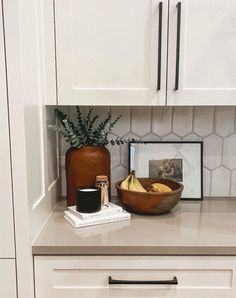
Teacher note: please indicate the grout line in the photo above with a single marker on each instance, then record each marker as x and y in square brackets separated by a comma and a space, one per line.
[222, 150]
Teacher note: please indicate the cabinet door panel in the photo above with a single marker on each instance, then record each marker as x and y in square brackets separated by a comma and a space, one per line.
[207, 68]
[107, 51]
[8, 278]
[6, 218]
[71, 277]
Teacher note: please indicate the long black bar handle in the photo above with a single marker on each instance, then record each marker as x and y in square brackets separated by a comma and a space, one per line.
[112, 281]
[159, 46]
[177, 46]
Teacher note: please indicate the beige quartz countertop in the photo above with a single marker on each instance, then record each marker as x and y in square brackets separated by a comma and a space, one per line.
[205, 227]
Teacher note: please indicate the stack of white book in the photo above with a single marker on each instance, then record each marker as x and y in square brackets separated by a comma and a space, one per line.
[108, 213]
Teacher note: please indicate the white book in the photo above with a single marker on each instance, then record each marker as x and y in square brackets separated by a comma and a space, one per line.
[106, 210]
[77, 222]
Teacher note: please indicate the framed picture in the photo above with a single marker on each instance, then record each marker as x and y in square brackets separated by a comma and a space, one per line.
[179, 161]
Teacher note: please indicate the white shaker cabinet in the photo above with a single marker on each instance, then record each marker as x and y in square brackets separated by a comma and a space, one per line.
[6, 218]
[8, 278]
[111, 52]
[7, 251]
[207, 47]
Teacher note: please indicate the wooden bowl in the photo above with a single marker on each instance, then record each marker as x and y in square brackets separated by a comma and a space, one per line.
[150, 202]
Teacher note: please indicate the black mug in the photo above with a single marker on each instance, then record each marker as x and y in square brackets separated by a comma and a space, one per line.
[88, 199]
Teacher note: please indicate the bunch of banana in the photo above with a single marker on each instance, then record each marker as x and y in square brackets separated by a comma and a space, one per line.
[132, 183]
[159, 187]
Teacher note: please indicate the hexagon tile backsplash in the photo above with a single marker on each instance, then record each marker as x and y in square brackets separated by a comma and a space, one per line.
[215, 126]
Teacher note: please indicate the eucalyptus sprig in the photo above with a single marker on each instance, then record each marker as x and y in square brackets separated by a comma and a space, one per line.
[85, 131]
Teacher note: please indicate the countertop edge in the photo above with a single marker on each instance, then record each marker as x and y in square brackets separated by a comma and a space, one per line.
[134, 250]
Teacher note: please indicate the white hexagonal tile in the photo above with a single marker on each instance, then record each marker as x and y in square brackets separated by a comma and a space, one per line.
[141, 120]
[233, 184]
[123, 126]
[49, 112]
[182, 120]
[170, 137]
[63, 177]
[229, 155]
[206, 182]
[224, 120]
[52, 156]
[101, 111]
[161, 121]
[203, 120]
[67, 110]
[63, 183]
[124, 150]
[192, 138]
[151, 137]
[117, 174]
[63, 148]
[52, 146]
[72, 112]
[115, 152]
[220, 184]
[212, 147]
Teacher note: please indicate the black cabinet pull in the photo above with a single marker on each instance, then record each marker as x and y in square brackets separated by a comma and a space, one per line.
[177, 46]
[112, 281]
[159, 47]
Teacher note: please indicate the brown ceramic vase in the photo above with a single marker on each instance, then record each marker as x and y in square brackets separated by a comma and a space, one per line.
[82, 166]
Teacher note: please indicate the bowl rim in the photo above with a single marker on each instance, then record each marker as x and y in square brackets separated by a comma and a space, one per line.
[180, 189]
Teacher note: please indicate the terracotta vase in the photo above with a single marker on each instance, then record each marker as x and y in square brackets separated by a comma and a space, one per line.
[82, 166]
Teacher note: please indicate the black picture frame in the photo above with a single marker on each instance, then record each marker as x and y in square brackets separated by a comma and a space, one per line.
[197, 143]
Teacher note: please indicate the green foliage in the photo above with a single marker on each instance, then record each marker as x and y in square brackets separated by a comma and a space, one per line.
[85, 132]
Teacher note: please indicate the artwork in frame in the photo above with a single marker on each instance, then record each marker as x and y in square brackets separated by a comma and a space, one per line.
[178, 161]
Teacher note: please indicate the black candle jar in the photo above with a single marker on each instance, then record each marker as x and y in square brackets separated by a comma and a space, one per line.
[88, 199]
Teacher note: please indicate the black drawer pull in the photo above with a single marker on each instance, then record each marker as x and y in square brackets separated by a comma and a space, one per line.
[112, 281]
[177, 46]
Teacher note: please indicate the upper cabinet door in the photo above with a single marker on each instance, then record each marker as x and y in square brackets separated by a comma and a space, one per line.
[111, 52]
[202, 52]
[6, 218]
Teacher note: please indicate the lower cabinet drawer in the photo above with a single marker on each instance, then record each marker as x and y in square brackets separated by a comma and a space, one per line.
[134, 276]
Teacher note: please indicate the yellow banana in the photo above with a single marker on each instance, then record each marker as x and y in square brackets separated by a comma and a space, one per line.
[125, 183]
[132, 183]
[160, 187]
[138, 185]
[135, 185]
